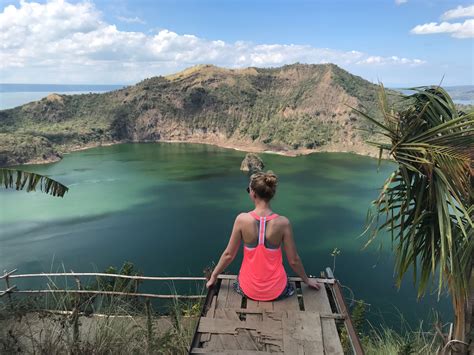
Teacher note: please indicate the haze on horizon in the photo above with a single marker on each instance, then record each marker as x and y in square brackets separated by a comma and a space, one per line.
[400, 43]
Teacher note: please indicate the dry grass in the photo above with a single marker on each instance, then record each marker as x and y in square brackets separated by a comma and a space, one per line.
[31, 326]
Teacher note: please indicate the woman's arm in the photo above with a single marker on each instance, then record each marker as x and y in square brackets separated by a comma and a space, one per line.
[294, 259]
[229, 253]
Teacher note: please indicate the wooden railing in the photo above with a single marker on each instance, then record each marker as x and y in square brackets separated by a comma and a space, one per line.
[12, 289]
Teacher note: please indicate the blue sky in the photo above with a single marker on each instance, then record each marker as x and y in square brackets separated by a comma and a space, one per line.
[401, 43]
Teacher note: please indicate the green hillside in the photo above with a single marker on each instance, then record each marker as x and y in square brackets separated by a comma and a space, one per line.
[294, 108]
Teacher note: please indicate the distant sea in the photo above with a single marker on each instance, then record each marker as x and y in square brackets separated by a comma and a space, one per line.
[12, 95]
[462, 94]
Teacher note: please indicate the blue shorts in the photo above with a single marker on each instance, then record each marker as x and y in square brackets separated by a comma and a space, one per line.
[287, 292]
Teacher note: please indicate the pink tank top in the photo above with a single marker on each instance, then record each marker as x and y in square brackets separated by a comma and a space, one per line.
[262, 276]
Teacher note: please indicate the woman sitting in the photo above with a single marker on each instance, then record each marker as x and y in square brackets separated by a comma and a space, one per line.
[262, 276]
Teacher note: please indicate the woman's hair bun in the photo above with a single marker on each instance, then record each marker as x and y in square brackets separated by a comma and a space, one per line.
[264, 184]
[270, 179]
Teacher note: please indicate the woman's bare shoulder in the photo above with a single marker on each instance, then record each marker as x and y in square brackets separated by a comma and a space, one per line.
[243, 217]
[283, 220]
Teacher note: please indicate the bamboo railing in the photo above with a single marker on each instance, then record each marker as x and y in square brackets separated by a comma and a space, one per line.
[13, 289]
[9, 290]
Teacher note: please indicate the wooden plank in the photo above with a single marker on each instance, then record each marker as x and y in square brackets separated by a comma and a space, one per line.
[288, 303]
[213, 341]
[234, 300]
[317, 301]
[243, 339]
[291, 278]
[272, 342]
[229, 341]
[341, 305]
[205, 337]
[302, 333]
[253, 306]
[226, 341]
[231, 352]
[265, 306]
[229, 326]
[275, 314]
[222, 295]
[212, 308]
[290, 346]
[228, 300]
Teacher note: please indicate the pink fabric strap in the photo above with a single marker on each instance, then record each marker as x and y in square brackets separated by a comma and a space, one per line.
[261, 235]
[262, 225]
[269, 218]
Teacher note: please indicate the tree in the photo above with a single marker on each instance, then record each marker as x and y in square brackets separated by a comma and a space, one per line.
[426, 203]
[20, 180]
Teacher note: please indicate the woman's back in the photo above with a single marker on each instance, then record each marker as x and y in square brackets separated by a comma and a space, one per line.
[273, 234]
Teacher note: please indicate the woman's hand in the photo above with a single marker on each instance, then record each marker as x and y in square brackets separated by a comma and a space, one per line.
[313, 283]
[212, 280]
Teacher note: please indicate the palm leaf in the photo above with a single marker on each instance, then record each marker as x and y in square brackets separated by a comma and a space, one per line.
[21, 180]
[425, 204]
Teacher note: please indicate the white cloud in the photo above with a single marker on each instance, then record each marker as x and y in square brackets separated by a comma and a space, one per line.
[390, 61]
[400, 2]
[135, 19]
[457, 30]
[458, 12]
[60, 41]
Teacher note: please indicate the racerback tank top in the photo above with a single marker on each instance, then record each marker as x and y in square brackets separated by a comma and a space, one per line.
[262, 276]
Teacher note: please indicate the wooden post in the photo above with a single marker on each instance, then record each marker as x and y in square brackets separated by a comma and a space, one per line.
[8, 289]
[213, 291]
[353, 336]
[149, 324]
[8, 286]
[78, 281]
[75, 328]
[75, 316]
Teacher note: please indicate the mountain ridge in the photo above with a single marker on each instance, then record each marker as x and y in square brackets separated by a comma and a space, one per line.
[293, 109]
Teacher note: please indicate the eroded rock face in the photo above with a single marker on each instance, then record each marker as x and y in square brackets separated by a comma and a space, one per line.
[252, 163]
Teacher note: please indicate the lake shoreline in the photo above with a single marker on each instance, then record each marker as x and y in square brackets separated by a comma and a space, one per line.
[249, 148]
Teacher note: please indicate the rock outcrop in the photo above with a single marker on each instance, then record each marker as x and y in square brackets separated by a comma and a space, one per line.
[252, 163]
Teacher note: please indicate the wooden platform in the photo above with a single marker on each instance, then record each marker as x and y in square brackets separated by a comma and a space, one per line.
[304, 323]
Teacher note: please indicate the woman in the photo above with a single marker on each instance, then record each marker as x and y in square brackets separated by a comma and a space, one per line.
[262, 276]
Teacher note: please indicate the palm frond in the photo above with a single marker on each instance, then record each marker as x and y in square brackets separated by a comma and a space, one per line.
[22, 180]
[425, 204]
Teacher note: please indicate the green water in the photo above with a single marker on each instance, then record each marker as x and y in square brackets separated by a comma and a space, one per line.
[169, 209]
